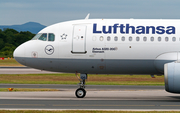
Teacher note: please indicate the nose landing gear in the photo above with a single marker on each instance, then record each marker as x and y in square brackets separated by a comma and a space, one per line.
[81, 92]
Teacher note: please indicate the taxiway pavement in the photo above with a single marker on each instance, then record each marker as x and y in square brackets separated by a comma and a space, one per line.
[97, 98]
[104, 100]
[21, 70]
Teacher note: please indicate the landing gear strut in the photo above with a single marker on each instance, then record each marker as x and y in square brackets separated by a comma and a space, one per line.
[81, 92]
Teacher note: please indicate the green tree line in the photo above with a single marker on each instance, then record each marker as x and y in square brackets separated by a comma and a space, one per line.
[10, 39]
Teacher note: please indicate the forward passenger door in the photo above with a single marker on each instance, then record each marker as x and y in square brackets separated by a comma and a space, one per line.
[79, 39]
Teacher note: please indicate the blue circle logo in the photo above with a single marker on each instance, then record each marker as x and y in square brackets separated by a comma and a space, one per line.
[49, 49]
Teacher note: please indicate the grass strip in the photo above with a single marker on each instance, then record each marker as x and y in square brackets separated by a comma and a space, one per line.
[9, 62]
[81, 111]
[93, 79]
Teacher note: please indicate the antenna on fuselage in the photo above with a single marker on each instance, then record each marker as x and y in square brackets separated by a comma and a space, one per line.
[87, 17]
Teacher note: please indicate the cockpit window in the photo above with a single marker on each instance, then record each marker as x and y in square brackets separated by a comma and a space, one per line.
[51, 37]
[43, 37]
[36, 36]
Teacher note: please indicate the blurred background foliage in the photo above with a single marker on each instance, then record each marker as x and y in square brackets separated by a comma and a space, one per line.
[10, 39]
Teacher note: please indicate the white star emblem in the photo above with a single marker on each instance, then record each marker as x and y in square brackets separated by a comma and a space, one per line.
[64, 36]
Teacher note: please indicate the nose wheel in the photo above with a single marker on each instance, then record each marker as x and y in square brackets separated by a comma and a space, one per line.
[81, 92]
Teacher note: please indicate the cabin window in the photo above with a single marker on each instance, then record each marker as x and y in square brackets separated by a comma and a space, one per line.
[123, 38]
[115, 38]
[43, 37]
[137, 38]
[94, 38]
[51, 37]
[108, 38]
[130, 38]
[159, 39]
[152, 39]
[101, 38]
[144, 38]
[166, 39]
[174, 39]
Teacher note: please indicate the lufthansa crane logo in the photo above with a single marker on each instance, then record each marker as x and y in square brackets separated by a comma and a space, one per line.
[49, 49]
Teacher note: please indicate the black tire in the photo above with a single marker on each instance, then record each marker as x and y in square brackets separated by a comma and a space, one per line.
[80, 93]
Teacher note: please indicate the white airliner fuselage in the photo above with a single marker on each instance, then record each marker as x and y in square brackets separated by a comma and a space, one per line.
[105, 46]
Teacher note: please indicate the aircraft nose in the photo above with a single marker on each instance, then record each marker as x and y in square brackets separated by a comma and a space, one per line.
[19, 54]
